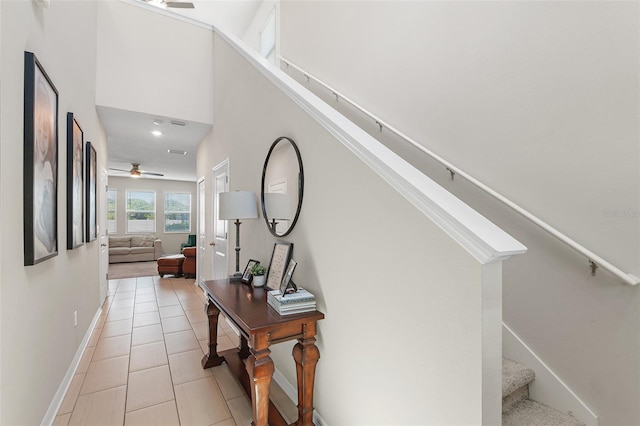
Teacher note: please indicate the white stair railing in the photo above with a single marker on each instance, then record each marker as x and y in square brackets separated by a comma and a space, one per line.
[594, 261]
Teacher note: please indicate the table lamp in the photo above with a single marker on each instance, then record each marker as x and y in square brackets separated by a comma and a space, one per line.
[237, 205]
[278, 207]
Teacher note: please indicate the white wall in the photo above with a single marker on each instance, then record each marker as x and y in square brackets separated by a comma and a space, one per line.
[152, 63]
[39, 339]
[536, 99]
[539, 100]
[397, 293]
[170, 241]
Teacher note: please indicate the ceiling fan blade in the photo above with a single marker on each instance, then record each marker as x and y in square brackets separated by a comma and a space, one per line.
[179, 4]
[151, 173]
[119, 170]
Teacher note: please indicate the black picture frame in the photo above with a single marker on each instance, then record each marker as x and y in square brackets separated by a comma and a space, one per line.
[282, 252]
[247, 276]
[91, 193]
[40, 181]
[75, 183]
[286, 279]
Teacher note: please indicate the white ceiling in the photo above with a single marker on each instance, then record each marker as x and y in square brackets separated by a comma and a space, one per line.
[129, 137]
[130, 140]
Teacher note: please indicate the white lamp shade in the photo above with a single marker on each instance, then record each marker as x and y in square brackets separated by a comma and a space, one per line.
[277, 206]
[237, 205]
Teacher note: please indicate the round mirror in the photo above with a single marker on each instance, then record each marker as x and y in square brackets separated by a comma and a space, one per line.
[282, 186]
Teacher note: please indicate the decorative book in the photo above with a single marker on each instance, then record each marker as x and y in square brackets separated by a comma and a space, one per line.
[300, 301]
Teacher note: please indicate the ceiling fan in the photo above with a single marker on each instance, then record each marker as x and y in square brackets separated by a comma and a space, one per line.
[171, 4]
[136, 172]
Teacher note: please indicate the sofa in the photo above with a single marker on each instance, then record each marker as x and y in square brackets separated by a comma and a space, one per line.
[134, 248]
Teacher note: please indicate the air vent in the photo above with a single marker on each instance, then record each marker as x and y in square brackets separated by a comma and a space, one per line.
[178, 123]
[176, 151]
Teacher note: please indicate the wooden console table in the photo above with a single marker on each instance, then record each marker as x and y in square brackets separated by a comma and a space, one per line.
[261, 326]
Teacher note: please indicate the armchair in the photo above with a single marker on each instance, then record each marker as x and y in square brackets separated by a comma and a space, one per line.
[189, 264]
[191, 242]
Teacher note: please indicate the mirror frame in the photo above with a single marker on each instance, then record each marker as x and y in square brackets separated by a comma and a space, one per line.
[300, 186]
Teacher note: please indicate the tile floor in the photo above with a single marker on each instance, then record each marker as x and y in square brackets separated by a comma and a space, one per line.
[142, 363]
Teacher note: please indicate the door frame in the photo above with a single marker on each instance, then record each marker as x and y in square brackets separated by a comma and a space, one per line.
[201, 230]
[219, 230]
[103, 256]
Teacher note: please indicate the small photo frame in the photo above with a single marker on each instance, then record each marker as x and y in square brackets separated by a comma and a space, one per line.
[286, 279]
[282, 251]
[246, 276]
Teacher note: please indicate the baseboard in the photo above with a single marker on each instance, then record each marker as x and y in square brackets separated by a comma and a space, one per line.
[292, 393]
[547, 388]
[56, 402]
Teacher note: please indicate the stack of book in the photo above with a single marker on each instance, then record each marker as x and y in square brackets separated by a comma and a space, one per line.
[294, 303]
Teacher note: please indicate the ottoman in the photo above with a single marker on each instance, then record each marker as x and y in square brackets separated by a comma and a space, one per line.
[170, 265]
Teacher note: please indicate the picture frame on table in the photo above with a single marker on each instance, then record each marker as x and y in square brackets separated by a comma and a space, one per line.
[40, 163]
[75, 183]
[247, 277]
[91, 200]
[282, 252]
[286, 279]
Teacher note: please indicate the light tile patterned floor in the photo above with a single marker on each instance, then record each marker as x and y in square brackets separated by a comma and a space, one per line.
[142, 364]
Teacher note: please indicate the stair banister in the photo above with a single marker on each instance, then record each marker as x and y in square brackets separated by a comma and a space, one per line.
[593, 259]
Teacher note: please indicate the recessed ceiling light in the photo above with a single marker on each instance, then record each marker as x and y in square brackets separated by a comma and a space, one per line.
[176, 151]
[178, 123]
[157, 121]
[156, 133]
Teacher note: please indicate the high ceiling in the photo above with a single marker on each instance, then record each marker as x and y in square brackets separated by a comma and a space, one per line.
[129, 136]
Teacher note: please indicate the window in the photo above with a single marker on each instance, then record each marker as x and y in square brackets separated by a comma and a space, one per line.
[268, 38]
[112, 223]
[141, 212]
[177, 212]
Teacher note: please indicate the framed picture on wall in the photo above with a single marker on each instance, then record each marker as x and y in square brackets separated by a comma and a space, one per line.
[91, 193]
[282, 252]
[40, 163]
[75, 183]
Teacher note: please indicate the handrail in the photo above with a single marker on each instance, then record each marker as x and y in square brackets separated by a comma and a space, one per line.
[595, 261]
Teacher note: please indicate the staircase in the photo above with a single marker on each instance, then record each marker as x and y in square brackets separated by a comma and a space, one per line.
[518, 409]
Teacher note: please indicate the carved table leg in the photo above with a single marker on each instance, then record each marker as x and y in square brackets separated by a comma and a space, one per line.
[306, 354]
[260, 369]
[212, 359]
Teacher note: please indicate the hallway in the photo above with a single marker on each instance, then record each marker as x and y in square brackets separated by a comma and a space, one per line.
[142, 363]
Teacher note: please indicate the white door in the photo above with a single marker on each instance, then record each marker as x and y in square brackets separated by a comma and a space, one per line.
[202, 235]
[103, 262]
[220, 242]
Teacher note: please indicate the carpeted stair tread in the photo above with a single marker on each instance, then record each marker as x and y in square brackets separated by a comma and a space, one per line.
[532, 413]
[514, 376]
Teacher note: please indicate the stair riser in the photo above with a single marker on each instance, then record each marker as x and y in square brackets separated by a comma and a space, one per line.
[514, 398]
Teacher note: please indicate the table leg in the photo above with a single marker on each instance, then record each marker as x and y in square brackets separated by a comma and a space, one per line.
[243, 348]
[212, 359]
[260, 369]
[306, 355]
